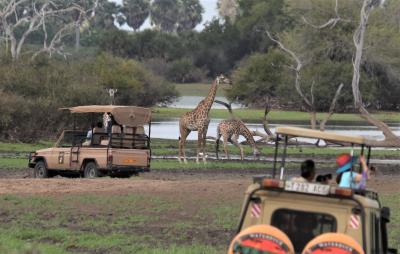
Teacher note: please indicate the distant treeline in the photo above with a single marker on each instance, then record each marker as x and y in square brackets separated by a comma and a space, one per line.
[143, 64]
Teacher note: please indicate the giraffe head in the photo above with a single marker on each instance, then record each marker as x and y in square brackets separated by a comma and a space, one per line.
[221, 79]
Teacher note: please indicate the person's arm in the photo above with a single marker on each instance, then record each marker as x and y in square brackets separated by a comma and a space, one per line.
[362, 178]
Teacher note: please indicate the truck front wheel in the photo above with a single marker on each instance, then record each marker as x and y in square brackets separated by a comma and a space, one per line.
[91, 170]
[40, 170]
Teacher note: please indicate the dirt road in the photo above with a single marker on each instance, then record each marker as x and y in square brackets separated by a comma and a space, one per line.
[155, 183]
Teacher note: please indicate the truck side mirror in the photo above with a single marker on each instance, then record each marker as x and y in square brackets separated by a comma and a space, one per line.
[385, 214]
[392, 251]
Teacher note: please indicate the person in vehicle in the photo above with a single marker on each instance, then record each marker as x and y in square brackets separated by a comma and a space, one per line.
[324, 179]
[97, 129]
[307, 172]
[346, 177]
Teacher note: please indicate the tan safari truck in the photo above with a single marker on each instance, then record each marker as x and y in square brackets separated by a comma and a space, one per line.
[304, 211]
[122, 149]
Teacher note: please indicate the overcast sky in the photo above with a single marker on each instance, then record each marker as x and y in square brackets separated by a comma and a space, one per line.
[210, 11]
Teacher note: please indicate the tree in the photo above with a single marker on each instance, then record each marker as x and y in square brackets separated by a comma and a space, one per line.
[136, 12]
[228, 9]
[164, 14]
[21, 18]
[106, 14]
[368, 6]
[190, 14]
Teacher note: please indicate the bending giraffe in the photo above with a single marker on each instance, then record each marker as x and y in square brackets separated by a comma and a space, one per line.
[198, 120]
[230, 130]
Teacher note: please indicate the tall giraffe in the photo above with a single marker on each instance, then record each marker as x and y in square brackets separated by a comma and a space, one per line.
[198, 120]
[230, 130]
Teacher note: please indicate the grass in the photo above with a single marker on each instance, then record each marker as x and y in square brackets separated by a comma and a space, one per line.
[162, 147]
[98, 224]
[128, 223]
[393, 201]
[24, 147]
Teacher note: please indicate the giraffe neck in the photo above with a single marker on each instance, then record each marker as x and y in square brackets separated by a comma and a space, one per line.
[209, 100]
[247, 134]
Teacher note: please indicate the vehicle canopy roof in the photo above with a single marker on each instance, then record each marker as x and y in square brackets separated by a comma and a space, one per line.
[125, 115]
[324, 135]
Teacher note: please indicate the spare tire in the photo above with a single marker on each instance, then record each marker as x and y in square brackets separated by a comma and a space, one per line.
[261, 239]
[333, 243]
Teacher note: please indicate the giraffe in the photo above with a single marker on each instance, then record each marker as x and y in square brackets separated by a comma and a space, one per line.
[198, 120]
[230, 130]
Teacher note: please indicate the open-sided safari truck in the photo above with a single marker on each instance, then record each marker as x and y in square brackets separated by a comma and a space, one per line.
[121, 149]
[281, 215]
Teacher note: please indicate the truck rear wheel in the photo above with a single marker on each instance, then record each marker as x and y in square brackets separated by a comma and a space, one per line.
[91, 170]
[40, 170]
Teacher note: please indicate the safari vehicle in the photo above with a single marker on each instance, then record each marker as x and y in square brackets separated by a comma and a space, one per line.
[340, 220]
[122, 150]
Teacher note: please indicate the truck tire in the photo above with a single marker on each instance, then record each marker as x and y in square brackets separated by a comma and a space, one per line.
[261, 239]
[331, 243]
[91, 170]
[40, 170]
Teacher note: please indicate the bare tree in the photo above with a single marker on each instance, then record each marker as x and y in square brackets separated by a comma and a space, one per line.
[308, 102]
[391, 139]
[20, 18]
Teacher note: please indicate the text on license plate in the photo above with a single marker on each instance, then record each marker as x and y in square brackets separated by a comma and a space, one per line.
[311, 188]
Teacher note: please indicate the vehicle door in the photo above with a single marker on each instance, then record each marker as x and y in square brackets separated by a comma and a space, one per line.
[66, 154]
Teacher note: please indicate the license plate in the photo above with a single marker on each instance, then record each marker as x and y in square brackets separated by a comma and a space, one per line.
[312, 188]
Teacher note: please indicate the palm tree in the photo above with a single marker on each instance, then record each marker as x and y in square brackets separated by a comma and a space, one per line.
[164, 14]
[190, 14]
[136, 12]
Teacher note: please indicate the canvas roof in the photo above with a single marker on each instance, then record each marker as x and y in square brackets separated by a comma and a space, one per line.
[125, 115]
[324, 135]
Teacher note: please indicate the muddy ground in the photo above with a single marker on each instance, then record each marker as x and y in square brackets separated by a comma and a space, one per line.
[193, 192]
[157, 183]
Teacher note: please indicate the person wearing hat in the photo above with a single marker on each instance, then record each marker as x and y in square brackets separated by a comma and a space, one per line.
[346, 177]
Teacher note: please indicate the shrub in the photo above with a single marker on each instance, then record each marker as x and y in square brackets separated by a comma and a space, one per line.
[184, 71]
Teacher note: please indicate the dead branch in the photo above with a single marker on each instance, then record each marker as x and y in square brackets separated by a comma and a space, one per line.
[18, 25]
[296, 68]
[331, 22]
[331, 108]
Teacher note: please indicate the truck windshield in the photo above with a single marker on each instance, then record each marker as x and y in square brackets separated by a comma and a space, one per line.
[301, 227]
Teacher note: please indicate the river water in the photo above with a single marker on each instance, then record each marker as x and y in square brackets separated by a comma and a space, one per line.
[169, 129]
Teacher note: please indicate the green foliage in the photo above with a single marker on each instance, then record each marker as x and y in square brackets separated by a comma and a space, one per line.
[136, 12]
[164, 14]
[190, 14]
[258, 78]
[32, 91]
[184, 71]
[134, 83]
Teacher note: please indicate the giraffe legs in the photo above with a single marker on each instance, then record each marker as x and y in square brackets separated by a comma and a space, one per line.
[184, 133]
[204, 136]
[235, 141]
[226, 138]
